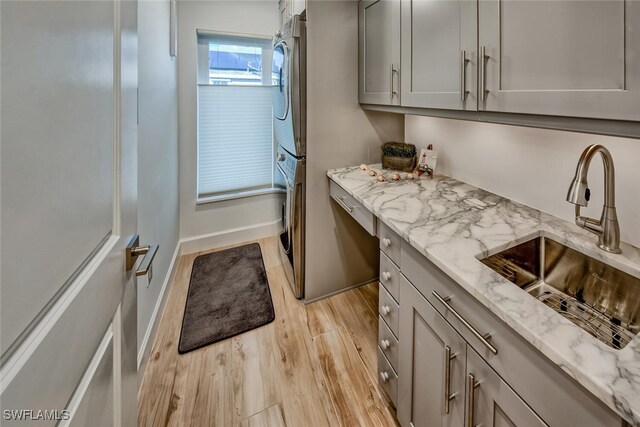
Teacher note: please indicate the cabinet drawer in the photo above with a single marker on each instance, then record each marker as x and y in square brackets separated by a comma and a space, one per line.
[388, 343]
[390, 242]
[390, 276]
[523, 367]
[363, 216]
[388, 310]
[387, 377]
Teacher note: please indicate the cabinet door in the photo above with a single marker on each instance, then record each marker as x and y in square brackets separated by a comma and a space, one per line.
[379, 52]
[439, 45]
[431, 365]
[563, 57]
[490, 401]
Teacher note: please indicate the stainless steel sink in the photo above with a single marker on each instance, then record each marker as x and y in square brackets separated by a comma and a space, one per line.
[597, 297]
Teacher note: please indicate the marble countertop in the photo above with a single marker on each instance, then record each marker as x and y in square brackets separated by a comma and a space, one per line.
[454, 224]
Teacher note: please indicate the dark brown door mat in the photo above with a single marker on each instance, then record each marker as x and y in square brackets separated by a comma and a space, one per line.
[228, 295]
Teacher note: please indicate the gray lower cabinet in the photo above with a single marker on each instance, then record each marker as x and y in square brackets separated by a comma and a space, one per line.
[431, 366]
[445, 360]
[562, 58]
[443, 382]
[389, 310]
[518, 385]
[388, 321]
[439, 54]
[379, 52]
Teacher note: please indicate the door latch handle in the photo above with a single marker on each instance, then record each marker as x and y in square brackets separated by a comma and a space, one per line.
[134, 250]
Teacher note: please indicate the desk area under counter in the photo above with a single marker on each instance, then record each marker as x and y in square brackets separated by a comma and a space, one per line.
[456, 345]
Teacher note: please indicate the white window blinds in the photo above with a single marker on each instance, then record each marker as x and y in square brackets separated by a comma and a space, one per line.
[235, 143]
[235, 135]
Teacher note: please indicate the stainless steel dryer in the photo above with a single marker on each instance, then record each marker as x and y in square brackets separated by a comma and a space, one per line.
[290, 126]
[291, 240]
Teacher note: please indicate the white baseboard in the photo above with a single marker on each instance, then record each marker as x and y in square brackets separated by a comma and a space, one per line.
[147, 341]
[229, 237]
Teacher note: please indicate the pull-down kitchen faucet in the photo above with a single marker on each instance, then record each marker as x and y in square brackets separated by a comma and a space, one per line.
[607, 228]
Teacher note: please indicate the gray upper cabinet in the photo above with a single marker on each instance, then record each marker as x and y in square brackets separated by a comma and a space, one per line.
[561, 58]
[439, 54]
[431, 365]
[490, 401]
[564, 58]
[379, 52]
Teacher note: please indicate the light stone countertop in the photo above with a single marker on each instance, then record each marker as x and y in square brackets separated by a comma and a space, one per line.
[454, 224]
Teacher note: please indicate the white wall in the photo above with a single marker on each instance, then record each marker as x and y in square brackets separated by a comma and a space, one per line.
[248, 17]
[339, 253]
[157, 156]
[532, 166]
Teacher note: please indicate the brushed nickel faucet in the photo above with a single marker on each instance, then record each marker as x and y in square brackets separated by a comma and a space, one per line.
[606, 228]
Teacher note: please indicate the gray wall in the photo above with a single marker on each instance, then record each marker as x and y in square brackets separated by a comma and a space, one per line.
[246, 17]
[158, 213]
[540, 164]
[339, 253]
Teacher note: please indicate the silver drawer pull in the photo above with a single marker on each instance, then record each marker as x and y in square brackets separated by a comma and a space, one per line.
[472, 385]
[343, 204]
[386, 276]
[448, 397]
[386, 242]
[394, 92]
[385, 310]
[384, 344]
[483, 73]
[384, 377]
[484, 339]
[463, 75]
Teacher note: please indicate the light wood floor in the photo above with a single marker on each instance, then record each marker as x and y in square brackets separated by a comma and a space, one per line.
[315, 365]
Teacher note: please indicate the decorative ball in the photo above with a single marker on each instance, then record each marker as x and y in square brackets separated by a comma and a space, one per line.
[364, 167]
[395, 176]
[380, 178]
[410, 176]
[372, 173]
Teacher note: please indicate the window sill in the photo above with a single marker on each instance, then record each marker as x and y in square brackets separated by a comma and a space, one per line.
[239, 195]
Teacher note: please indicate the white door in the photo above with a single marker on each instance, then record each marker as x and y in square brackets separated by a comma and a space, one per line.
[68, 209]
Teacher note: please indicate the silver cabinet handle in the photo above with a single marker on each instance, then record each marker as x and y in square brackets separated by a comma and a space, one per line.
[384, 344]
[394, 70]
[385, 310]
[472, 384]
[448, 396]
[483, 73]
[463, 75]
[484, 339]
[343, 204]
[384, 377]
[386, 242]
[386, 276]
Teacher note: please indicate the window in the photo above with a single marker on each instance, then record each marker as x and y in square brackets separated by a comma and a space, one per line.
[235, 134]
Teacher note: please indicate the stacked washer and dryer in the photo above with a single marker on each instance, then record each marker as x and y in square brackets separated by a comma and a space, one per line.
[289, 122]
